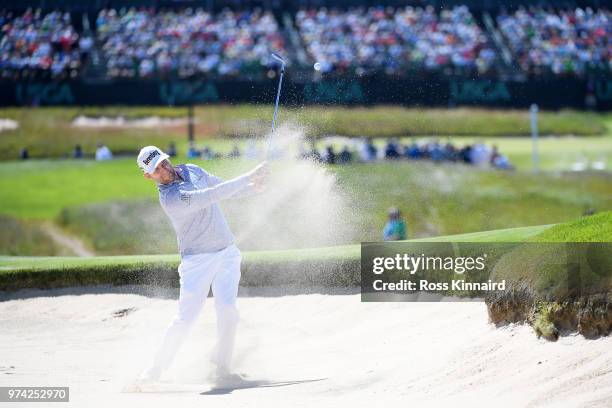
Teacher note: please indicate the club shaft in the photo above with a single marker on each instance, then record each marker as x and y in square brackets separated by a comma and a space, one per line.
[278, 92]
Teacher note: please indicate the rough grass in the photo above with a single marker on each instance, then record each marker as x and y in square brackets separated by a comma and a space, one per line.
[20, 237]
[595, 228]
[328, 266]
[105, 203]
[47, 131]
[542, 261]
[450, 199]
[557, 286]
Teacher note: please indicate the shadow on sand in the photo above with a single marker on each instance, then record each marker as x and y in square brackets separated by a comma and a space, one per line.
[242, 384]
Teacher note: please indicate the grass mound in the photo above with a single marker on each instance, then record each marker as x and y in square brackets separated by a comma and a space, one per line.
[328, 266]
[595, 228]
[563, 287]
[331, 266]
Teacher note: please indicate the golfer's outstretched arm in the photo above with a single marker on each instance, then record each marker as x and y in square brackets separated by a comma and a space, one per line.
[202, 198]
[249, 190]
[210, 195]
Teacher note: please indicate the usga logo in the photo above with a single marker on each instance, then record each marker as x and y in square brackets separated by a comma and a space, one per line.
[150, 157]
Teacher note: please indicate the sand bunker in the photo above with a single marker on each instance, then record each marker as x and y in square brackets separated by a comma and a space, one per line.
[299, 350]
[121, 122]
[8, 124]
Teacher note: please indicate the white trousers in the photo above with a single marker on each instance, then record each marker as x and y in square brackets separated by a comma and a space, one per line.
[198, 273]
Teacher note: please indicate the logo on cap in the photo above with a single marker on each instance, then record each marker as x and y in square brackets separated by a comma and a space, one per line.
[150, 157]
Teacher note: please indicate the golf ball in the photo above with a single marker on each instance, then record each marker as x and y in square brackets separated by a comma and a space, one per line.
[318, 66]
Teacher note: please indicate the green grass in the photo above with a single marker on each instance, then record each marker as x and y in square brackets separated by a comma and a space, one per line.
[342, 252]
[329, 266]
[338, 265]
[556, 285]
[447, 199]
[556, 153]
[108, 204]
[502, 235]
[594, 228]
[41, 188]
[25, 237]
[47, 132]
[543, 261]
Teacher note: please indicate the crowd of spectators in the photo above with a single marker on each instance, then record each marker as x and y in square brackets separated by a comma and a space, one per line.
[394, 40]
[564, 42]
[145, 43]
[38, 45]
[476, 154]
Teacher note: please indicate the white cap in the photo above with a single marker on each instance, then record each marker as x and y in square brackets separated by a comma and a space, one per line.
[149, 158]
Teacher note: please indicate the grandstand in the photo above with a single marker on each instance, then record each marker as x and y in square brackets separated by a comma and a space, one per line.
[91, 41]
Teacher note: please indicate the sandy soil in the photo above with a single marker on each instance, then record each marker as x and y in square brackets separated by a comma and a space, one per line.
[121, 122]
[296, 350]
[8, 124]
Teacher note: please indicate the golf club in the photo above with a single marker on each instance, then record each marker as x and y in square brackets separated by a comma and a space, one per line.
[280, 84]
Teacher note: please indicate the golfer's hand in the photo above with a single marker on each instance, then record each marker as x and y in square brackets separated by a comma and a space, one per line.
[258, 177]
[259, 173]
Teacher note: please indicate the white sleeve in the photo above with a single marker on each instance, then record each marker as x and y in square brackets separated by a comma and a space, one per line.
[245, 192]
[193, 200]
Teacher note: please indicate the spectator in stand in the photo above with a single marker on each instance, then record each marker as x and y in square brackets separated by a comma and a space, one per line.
[187, 43]
[384, 39]
[395, 228]
[86, 44]
[559, 42]
[103, 153]
[38, 45]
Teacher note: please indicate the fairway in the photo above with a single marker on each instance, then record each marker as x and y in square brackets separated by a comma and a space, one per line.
[48, 132]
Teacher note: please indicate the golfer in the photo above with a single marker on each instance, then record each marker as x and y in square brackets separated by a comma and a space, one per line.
[190, 196]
